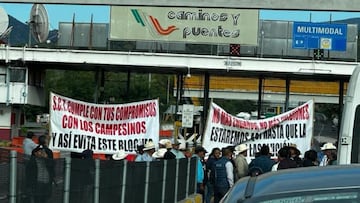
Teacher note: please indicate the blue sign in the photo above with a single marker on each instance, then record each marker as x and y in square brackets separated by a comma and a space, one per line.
[319, 36]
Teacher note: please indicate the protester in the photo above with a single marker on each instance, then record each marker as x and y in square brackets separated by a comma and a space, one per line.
[160, 153]
[329, 157]
[187, 153]
[281, 155]
[242, 167]
[232, 159]
[41, 172]
[263, 163]
[149, 149]
[28, 145]
[295, 154]
[320, 153]
[310, 158]
[285, 159]
[175, 149]
[168, 154]
[43, 141]
[200, 154]
[210, 174]
[139, 151]
[224, 174]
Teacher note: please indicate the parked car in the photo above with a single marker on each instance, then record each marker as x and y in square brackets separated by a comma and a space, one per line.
[330, 184]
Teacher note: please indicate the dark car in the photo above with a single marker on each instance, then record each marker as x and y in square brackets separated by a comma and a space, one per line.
[330, 184]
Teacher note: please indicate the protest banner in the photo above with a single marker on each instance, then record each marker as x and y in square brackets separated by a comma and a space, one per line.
[104, 128]
[292, 127]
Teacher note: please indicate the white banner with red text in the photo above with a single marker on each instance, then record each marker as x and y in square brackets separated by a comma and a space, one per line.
[103, 128]
[292, 127]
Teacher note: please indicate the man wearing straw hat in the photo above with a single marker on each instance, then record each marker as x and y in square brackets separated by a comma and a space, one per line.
[149, 149]
[329, 158]
[242, 167]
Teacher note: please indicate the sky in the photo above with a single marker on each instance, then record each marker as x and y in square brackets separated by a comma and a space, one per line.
[101, 14]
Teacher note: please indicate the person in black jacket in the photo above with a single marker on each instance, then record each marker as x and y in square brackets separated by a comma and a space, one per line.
[210, 174]
[168, 154]
[262, 163]
[310, 158]
[41, 172]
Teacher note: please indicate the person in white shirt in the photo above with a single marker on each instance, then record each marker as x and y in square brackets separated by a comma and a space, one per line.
[28, 145]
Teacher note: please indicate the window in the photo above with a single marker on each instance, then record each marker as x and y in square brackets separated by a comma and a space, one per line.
[331, 196]
[2, 75]
[17, 75]
[350, 197]
[36, 77]
[2, 78]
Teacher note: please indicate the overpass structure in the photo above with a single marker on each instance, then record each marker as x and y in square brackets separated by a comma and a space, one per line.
[39, 59]
[184, 64]
[176, 63]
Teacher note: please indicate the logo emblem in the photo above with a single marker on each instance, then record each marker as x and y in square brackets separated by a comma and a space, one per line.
[152, 24]
[325, 43]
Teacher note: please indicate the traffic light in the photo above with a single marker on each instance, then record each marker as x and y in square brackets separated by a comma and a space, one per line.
[234, 50]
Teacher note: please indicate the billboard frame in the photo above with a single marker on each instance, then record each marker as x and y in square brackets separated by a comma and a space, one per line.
[321, 5]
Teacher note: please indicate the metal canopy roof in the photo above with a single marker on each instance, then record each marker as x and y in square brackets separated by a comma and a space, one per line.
[321, 5]
[176, 63]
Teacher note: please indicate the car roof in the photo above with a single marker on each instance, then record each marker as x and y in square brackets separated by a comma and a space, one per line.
[301, 179]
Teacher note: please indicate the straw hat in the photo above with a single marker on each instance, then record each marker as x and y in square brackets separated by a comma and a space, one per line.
[293, 145]
[328, 146]
[119, 155]
[159, 153]
[241, 148]
[168, 145]
[164, 141]
[149, 145]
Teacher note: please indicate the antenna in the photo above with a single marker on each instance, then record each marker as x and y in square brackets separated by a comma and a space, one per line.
[39, 23]
[4, 22]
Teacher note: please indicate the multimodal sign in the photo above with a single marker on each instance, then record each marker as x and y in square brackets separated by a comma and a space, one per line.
[319, 36]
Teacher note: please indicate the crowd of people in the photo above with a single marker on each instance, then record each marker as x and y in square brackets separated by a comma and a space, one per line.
[225, 166]
[216, 173]
[40, 166]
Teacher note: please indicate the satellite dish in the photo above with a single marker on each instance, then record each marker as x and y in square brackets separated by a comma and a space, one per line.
[39, 23]
[4, 21]
[6, 32]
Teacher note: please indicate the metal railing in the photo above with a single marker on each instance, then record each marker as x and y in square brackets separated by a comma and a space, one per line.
[98, 181]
